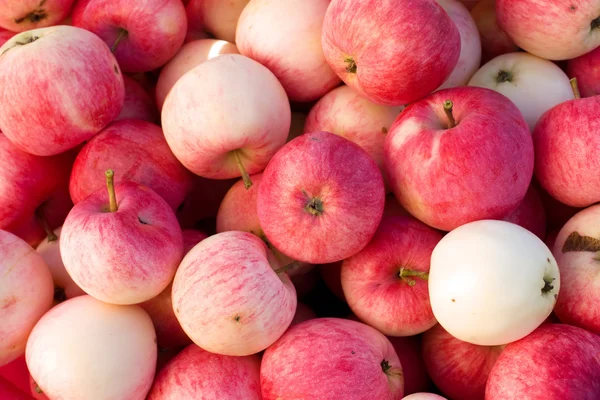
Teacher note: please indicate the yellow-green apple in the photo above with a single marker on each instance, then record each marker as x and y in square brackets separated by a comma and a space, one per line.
[26, 292]
[409, 351]
[459, 155]
[577, 251]
[553, 29]
[84, 348]
[494, 41]
[459, 369]
[218, 18]
[530, 214]
[50, 116]
[142, 34]
[190, 55]
[586, 69]
[122, 248]
[346, 113]
[228, 298]
[138, 103]
[5, 35]
[137, 151]
[566, 141]
[303, 72]
[24, 15]
[226, 118]
[535, 85]
[348, 359]
[472, 286]
[555, 362]
[424, 396]
[385, 284]
[197, 374]
[320, 188]
[11, 392]
[393, 52]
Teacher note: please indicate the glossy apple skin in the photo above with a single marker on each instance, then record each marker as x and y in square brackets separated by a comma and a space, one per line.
[227, 297]
[374, 286]
[226, 86]
[190, 55]
[587, 71]
[402, 49]
[138, 103]
[536, 85]
[217, 17]
[107, 351]
[344, 356]
[530, 214]
[263, 35]
[26, 292]
[569, 34]
[123, 257]
[62, 108]
[197, 374]
[554, 362]
[565, 141]
[24, 15]
[494, 41]
[155, 29]
[485, 161]
[342, 177]
[409, 349]
[136, 151]
[459, 369]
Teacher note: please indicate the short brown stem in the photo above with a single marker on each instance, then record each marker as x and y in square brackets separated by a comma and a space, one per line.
[39, 213]
[287, 267]
[122, 34]
[575, 88]
[110, 185]
[448, 106]
[245, 175]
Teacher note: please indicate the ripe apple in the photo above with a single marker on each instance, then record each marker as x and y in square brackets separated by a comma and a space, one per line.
[492, 282]
[227, 297]
[84, 348]
[219, 18]
[226, 118]
[424, 396]
[24, 15]
[62, 108]
[190, 55]
[266, 32]
[385, 284]
[535, 85]
[138, 152]
[393, 52]
[138, 103]
[555, 362]
[409, 349]
[494, 41]
[142, 34]
[122, 248]
[530, 214]
[348, 359]
[459, 155]
[586, 70]
[197, 374]
[552, 29]
[320, 199]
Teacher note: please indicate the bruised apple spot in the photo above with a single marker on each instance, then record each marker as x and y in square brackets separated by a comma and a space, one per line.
[35, 16]
[237, 318]
[454, 300]
[384, 130]
[576, 242]
[142, 221]
[350, 65]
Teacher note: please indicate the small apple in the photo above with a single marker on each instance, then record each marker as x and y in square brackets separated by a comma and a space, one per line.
[424, 396]
[586, 70]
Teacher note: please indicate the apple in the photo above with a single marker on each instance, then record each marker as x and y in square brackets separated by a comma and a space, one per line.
[189, 56]
[62, 108]
[535, 85]
[266, 32]
[585, 69]
[576, 250]
[494, 41]
[393, 52]
[11, 392]
[565, 141]
[227, 297]
[191, 237]
[303, 313]
[424, 396]
[138, 152]
[219, 18]
[122, 248]
[84, 348]
[142, 34]
[409, 349]
[138, 103]
[530, 214]
[557, 213]
[385, 284]
[459, 369]
[331, 358]
[5, 36]
[459, 155]
[195, 25]
[26, 291]
[553, 29]
[320, 199]
[25, 15]
[492, 282]
[226, 118]
[554, 362]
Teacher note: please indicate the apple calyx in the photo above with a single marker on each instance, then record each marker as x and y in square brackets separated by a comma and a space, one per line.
[407, 274]
[388, 369]
[595, 23]
[41, 217]
[314, 206]
[245, 175]
[448, 106]
[504, 76]
[34, 16]
[122, 34]
[548, 285]
[575, 88]
[110, 185]
[350, 65]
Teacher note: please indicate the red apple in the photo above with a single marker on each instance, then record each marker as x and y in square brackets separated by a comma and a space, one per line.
[65, 103]
[331, 358]
[217, 17]
[530, 214]
[393, 52]
[191, 237]
[195, 24]
[554, 362]
[586, 69]
[494, 41]
[143, 34]
[459, 155]
[24, 15]
[408, 349]
[320, 199]
[138, 103]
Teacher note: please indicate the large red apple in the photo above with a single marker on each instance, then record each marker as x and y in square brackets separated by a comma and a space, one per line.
[24, 15]
[494, 41]
[586, 69]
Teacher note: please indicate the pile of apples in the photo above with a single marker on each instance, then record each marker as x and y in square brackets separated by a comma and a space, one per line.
[299, 199]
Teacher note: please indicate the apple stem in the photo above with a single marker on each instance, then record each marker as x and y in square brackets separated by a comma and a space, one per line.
[37, 388]
[122, 34]
[287, 267]
[44, 221]
[448, 105]
[575, 88]
[110, 184]
[245, 176]
[408, 273]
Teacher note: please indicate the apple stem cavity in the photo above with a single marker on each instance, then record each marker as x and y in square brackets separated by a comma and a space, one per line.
[110, 185]
[314, 207]
[287, 267]
[503, 76]
[595, 23]
[35, 16]
[547, 285]
[39, 213]
[245, 175]
[448, 106]
[350, 65]
[122, 34]
[575, 88]
[407, 274]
